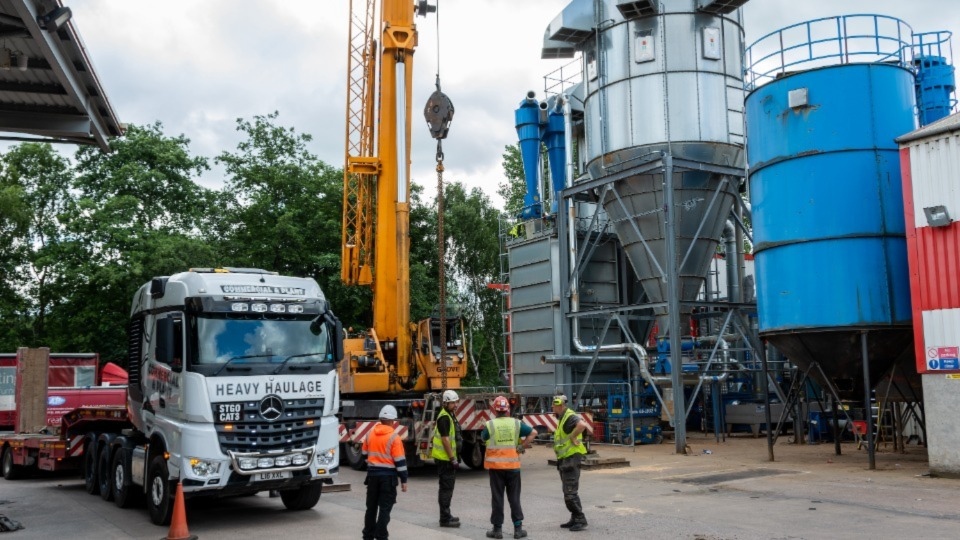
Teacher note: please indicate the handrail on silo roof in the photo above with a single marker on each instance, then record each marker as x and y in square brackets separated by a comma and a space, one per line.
[933, 43]
[828, 41]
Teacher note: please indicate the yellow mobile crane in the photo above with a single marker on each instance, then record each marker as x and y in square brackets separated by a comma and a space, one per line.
[395, 361]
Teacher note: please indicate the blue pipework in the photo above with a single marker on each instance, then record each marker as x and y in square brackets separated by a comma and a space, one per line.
[528, 131]
[553, 138]
[536, 126]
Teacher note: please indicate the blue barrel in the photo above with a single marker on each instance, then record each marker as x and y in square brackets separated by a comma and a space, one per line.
[828, 222]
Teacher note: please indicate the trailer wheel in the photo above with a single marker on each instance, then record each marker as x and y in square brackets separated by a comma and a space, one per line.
[472, 455]
[125, 492]
[304, 498]
[10, 470]
[104, 473]
[90, 467]
[159, 498]
[355, 456]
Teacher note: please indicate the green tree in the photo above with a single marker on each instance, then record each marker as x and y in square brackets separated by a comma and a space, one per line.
[15, 248]
[137, 214]
[283, 212]
[424, 253]
[514, 186]
[473, 260]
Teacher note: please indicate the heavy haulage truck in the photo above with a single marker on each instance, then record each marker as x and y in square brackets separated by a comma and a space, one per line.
[232, 390]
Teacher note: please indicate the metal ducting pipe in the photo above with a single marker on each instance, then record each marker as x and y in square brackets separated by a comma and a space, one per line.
[734, 293]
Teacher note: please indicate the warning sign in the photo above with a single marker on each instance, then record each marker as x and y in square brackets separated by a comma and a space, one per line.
[943, 358]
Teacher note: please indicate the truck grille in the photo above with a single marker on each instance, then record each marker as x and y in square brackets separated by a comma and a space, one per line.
[298, 427]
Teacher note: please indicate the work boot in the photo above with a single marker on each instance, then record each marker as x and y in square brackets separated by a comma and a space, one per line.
[452, 522]
[495, 532]
[579, 526]
[518, 532]
[569, 524]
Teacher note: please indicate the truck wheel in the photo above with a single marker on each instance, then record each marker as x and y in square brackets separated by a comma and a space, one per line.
[304, 498]
[125, 492]
[159, 497]
[472, 455]
[90, 467]
[104, 471]
[10, 470]
[355, 456]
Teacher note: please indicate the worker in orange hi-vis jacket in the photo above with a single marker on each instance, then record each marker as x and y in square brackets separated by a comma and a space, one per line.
[386, 467]
[505, 437]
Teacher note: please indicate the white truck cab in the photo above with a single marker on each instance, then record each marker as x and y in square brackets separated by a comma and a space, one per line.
[233, 387]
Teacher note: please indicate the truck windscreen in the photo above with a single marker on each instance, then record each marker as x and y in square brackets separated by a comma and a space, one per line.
[221, 339]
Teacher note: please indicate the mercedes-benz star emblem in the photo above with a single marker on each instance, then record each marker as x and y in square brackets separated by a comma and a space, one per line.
[271, 408]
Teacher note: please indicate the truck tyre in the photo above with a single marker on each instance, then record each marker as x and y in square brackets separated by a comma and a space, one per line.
[10, 470]
[472, 455]
[159, 495]
[125, 492]
[355, 456]
[104, 472]
[303, 498]
[90, 466]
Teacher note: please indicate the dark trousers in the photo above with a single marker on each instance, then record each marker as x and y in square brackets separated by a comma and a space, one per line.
[570, 479]
[448, 478]
[381, 496]
[509, 481]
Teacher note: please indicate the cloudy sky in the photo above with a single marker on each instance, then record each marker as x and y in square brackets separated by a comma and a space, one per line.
[198, 65]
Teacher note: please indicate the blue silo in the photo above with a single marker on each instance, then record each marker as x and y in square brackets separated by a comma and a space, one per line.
[828, 222]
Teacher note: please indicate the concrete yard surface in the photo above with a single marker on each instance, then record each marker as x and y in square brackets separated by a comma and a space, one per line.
[726, 490]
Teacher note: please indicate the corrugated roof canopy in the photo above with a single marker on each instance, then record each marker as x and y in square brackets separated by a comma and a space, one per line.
[48, 88]
[943, 125]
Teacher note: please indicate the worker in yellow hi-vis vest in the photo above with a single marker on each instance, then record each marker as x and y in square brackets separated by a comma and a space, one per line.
[568, 445]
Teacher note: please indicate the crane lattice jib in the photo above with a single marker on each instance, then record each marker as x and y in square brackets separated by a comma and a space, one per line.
[360, 163]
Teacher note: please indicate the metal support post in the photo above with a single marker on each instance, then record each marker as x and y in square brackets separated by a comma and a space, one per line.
[766, 400]
[673, 306]
[868, 409]
[836, 426]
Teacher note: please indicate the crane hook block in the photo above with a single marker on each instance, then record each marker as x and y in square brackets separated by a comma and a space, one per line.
[439, 114]
[423, 7]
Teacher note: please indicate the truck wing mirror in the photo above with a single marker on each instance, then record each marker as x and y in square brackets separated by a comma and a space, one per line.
[335, 331]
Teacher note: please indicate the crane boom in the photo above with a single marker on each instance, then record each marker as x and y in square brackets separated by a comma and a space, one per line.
[393, 362]
[376, 206]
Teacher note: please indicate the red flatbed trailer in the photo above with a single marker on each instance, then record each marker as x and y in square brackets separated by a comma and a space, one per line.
[25, 451]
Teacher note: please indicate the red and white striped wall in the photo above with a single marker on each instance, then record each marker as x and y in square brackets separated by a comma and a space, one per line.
[930, 168]
[470, 414]
[547, 421]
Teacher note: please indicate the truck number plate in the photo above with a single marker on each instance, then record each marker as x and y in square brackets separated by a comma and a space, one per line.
[228, 412]
[272, 475]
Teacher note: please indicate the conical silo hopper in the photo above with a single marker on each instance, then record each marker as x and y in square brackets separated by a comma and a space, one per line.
[660, 81]
[635, 207]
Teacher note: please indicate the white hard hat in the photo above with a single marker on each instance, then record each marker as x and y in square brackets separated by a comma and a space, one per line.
[388, 412]
[450, 395]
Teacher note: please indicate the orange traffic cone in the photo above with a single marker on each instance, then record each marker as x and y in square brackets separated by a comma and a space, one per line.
[178, 522]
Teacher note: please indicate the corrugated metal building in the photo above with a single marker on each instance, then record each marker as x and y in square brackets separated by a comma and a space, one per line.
[930, 166]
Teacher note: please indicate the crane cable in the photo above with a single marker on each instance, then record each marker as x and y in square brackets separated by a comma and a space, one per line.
[439, 113]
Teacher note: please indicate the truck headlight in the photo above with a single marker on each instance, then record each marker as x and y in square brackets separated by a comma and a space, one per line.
[300, 459]
[326, 457]
[265, 462]
[247, 463]
[283, 461]
[204, 468]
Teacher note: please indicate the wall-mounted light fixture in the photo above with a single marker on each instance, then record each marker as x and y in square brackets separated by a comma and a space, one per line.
[937, 216]
[54, 19]
[22, 61]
